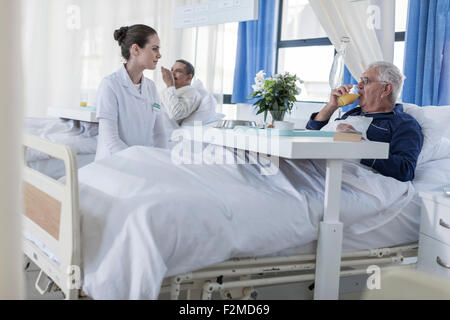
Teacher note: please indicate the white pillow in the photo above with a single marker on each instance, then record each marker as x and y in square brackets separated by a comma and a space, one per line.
[206, 112]
[435, 124]
[443, 149]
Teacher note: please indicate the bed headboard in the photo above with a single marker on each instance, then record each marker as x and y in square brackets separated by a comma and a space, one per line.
[51, 216]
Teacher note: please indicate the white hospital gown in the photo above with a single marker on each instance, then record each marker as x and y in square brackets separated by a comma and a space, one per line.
[180, 103]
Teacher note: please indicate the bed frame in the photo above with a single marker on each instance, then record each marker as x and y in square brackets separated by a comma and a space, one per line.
[51, 215]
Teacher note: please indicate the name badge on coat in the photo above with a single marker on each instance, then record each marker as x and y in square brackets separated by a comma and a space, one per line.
[156, 107]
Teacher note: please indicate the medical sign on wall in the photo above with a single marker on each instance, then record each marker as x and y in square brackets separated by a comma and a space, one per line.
[215, 12]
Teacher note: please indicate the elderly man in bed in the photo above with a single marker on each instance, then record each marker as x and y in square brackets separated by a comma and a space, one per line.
[379, 88]
[180, 99]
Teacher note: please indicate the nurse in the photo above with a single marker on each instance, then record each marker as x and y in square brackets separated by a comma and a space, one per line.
[128, 105]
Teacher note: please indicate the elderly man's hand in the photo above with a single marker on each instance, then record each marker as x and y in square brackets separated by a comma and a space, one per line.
[326, 113]
[344, 127]
[336, 93]
[167, 77]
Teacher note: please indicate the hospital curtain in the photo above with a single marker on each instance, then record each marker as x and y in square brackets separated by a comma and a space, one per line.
[11, 281]
[348, 79]
[69, 47]
[255, 50]
[369, 24]
[427, 53]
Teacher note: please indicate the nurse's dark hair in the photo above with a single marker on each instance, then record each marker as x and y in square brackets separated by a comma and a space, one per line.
[189, 67]
[127, 36]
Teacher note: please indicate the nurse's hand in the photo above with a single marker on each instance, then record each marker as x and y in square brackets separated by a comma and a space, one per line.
[167, 77]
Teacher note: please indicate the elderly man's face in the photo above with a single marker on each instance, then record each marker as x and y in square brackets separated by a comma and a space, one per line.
[371, 93]
[180, 75]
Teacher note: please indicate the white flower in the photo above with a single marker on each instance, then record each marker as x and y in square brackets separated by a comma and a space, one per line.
[259, 79]
[259, 85]
[260, 75]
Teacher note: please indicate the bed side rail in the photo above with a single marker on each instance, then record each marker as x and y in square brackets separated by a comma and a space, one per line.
[51, 216]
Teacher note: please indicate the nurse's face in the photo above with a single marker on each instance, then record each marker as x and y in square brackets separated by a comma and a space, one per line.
[149, 55]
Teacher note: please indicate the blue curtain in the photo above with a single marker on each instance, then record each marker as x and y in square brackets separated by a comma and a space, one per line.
[348, 79]
[427, 53]
[255, 50]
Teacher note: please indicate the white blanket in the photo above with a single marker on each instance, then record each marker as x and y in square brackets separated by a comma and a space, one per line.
[79, 135]
[144, 218]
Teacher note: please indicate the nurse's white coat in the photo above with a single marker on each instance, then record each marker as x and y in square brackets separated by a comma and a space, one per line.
[140, 119]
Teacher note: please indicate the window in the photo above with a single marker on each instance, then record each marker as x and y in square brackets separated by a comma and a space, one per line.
[301, 40]
[229, 62]
[401, 12]
[229, 59]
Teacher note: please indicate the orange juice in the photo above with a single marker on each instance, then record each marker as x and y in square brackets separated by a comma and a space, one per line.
[83, 104]
[347, 99]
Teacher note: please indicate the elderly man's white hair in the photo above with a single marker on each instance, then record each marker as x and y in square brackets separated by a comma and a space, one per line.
[388, 72]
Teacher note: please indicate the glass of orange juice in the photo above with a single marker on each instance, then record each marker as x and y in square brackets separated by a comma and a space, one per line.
[84, 99]
[348, 98]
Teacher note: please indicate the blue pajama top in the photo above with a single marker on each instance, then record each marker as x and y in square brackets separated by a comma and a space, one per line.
[399, 129]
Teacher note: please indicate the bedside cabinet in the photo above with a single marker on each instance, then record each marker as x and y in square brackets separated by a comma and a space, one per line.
[434, 237]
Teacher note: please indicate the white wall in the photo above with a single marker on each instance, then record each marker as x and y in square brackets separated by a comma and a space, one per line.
[69, 47]
[10, 146]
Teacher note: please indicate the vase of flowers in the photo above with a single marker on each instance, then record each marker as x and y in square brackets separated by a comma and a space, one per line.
[277, 94]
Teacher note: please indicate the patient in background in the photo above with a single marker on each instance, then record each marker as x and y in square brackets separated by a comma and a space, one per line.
[379, 88]
[180, 98]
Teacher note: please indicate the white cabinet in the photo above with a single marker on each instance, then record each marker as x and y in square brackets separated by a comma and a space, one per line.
[434, 239]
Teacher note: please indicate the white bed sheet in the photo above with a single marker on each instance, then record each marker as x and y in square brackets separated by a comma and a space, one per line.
[163, 219]
[55, 169]
[79, 135]
[403, 228]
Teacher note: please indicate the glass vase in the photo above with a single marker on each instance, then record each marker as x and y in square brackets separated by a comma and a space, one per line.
[336, 77]
[277, 115]
[337, 69]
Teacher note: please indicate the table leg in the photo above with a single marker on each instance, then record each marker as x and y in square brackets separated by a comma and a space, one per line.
[329, 246]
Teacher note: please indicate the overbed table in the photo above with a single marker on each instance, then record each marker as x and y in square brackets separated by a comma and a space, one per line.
[79, 114]
[329, 247]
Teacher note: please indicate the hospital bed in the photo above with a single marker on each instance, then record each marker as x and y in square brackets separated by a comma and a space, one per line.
[53, 221]
[81, 136]
[78, 129]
